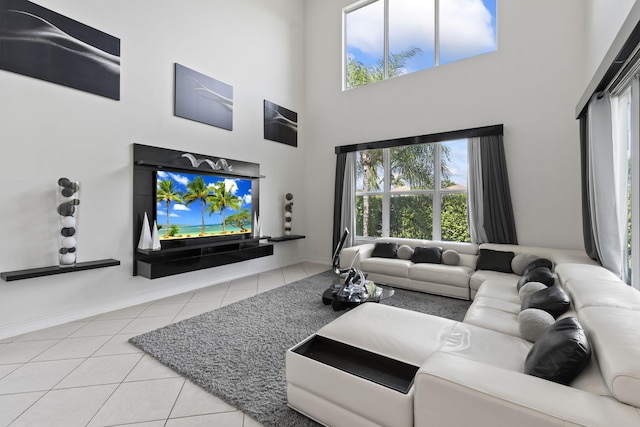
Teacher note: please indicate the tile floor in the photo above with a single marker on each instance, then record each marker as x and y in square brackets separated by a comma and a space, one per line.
[85, 373]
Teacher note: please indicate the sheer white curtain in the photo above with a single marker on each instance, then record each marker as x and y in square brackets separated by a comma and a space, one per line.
[475, 194]
[607, 132]
[348, 211]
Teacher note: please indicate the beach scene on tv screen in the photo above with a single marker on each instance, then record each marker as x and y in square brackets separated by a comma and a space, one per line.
[200, 205]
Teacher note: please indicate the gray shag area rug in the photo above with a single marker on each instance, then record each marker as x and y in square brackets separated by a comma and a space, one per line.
[237, 352]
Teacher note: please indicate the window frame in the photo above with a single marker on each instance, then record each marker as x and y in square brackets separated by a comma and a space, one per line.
[436, 37]
[386, 193]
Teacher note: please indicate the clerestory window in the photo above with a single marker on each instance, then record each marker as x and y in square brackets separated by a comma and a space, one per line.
[389, 38]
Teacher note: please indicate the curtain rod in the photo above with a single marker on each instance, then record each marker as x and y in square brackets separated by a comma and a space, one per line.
[423, 139]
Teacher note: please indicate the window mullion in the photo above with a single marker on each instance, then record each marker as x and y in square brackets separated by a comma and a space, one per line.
[386, 197]
[386, 39]
[437, 228]
[436, 33]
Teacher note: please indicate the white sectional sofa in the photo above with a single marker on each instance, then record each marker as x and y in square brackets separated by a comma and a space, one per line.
[471, 373]
[459, 281]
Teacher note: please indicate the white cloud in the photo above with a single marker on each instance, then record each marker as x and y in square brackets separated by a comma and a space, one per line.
[179, 178]
[247, 199]
[465, 27]
[179, 207]
[231, 186]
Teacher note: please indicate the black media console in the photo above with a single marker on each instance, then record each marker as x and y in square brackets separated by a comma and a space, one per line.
[189, 254]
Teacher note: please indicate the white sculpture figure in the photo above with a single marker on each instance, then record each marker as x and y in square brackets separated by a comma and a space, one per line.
[145, 234]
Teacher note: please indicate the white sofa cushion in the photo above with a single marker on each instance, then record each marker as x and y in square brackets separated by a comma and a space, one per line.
[602, 293]
[391, 267]
[397, 333]
[440, 273]
[614, 334]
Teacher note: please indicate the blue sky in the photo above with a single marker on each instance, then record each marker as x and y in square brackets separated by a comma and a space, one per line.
[181, 214]
[467, 28]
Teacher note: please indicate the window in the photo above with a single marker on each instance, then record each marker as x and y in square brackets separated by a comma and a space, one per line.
[625, 106]
[401, 192]
[390, 38]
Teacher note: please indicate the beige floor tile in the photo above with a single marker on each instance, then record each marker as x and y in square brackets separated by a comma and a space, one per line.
[245, 283]
[146, 324]
[66, 408]
[312, 268]
[271, 279]
[198, 307]
[101, 370]
[215, 293]
[293, 273]
[20, 352]
[118, 344]
[234, 295]
[149, 368]
[139, 402]
[101, 327]
[37, 376]
[250, 422]
[7, 369]
[226, 419]
[15, 404]
[176, 299]
[72, 348]
[55, 332]
[156, 310]
[124, 313]
[193, 400]
[145, 424]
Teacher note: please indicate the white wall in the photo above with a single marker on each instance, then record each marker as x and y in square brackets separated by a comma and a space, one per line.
[603, 21]
[529, 85]
[49, 131]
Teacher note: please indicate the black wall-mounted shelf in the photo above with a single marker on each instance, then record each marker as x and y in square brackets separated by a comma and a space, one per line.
[286, 238]
[167, 263]
[9, 276]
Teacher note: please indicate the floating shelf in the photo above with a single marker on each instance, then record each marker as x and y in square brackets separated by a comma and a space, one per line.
[9, 276]
[167, 264]
[285, 238]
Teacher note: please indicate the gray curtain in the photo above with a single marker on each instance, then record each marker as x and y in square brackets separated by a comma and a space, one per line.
[606, 174]
[344, 210]
[490, 209]
[348, 211]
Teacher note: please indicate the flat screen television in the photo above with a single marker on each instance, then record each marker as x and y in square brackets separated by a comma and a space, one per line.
[202, 205]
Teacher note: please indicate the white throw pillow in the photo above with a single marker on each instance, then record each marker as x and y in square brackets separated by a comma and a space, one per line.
[450, 257]
[404, 252]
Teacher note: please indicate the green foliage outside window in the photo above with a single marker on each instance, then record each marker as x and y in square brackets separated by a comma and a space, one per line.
[455, 226]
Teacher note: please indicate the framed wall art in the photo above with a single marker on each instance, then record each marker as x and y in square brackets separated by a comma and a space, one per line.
[40, 43]
[280, 124]
[203, 99]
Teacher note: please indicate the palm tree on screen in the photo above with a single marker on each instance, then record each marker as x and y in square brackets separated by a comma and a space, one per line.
[223, 198]
[167, 193]
[197, 190]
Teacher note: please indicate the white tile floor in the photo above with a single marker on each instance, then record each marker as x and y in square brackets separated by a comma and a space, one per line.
[85, 373]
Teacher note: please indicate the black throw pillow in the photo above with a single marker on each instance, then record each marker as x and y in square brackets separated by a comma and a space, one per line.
[553, 300]
[494, 260]
[540, 262]
[560, 354]
[427, 255]
[540, 274]
[385, 250]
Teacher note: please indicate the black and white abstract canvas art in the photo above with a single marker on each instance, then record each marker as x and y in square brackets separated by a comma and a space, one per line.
[41, 43]
[280, 124]
[203, 99]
